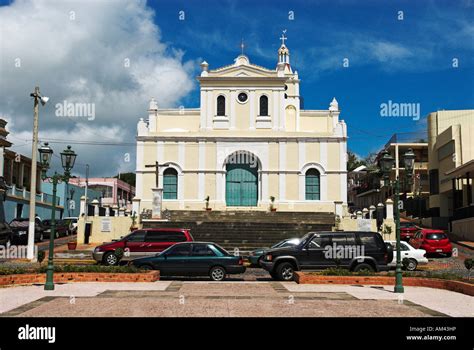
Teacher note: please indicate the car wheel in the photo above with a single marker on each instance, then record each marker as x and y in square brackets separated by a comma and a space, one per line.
[145, 267]
[110, 259]
[217, 273]
[412, 264]
[363, 266]
[285, 271]
[448, 255]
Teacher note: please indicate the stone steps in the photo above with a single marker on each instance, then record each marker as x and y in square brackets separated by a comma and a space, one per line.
[245, 230]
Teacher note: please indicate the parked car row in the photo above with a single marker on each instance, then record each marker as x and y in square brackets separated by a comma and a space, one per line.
[174, 252]
[16, 232]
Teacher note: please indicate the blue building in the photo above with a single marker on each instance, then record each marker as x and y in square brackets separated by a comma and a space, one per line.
[69, 196]
[15, 192]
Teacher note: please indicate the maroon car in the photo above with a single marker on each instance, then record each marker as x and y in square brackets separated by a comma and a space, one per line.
[408, 230]
[141, 243]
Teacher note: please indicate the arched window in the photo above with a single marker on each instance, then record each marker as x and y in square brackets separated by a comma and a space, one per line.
[170, 184]
[263, 105]
[221, 105]
[313, 189]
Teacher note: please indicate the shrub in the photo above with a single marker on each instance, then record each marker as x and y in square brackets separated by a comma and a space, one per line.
[344, 272]
[14, 270]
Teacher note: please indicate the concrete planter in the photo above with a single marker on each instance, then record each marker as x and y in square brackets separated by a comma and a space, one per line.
[455, 286]
[65, 277]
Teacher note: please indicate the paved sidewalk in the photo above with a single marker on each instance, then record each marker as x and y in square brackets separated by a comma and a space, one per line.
[222, 299]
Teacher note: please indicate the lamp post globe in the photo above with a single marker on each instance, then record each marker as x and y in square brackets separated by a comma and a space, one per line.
[68, 158]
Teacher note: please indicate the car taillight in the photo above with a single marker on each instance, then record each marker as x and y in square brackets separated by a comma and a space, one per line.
[241, 261]
[268, 257]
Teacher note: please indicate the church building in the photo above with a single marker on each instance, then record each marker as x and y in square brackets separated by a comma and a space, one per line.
[250, 145]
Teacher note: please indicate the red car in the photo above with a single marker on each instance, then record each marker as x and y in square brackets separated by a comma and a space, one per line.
[141, 243]
[408, 230]
[433, 241]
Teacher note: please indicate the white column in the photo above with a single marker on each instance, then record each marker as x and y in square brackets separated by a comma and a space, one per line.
[139, 168]
[253, 106]
[201, 166]
[211, 109]
[282, 111]
[323, 154]
[276, 110]
[301, 154]
[232, 114]
[82, 208]
[95, 203]
[371, 211]
[136, 206]
[160, 158]
[343, 167]
[264, 176]
[282, 167]
[203, 110]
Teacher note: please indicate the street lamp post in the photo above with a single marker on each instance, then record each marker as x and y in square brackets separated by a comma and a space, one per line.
[386, 164]
[68, 157]
[31, 226]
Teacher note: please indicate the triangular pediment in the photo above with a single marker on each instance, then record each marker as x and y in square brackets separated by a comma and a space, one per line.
[245, 71]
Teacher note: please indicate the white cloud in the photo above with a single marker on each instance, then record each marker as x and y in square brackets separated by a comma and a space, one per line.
[79, 52]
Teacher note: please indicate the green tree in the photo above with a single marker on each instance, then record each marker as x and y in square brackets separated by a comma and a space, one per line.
[127, 177]
[353, 161]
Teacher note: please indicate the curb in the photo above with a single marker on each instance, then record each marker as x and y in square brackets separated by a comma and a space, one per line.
[66, 277]
[451, 285]
[464, 245]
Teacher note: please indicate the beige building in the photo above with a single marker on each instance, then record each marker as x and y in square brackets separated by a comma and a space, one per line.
[451, 151]
[249, 143]
[367, 188]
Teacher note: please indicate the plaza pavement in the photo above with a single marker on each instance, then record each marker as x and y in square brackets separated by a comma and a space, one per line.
[222, 299]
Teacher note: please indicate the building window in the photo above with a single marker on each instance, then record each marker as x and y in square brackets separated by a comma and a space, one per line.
[263, 105]
[434, 181]
[313, 190]
[170, 184]
[221, 105]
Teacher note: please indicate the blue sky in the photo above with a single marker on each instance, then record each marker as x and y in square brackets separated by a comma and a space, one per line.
[406, 61]
[81, 58]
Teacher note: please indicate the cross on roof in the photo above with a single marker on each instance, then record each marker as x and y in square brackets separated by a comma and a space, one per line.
[283, 38]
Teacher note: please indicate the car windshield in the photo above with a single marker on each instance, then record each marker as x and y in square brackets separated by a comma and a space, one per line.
[436, 236]
[220, 249]
[305, 238]
[287, 243]
[19, 223]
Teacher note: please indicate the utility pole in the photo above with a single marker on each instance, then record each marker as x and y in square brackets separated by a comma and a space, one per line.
[31, 226]
[85, 193]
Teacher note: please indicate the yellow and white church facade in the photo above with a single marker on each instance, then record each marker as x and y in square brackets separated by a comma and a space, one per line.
[248, 146]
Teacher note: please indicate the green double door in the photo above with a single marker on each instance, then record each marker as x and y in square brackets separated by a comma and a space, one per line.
[241, 185]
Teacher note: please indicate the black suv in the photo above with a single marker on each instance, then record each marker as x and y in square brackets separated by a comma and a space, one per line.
[320, 250]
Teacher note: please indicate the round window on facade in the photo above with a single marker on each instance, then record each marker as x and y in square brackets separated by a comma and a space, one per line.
[242, 97]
